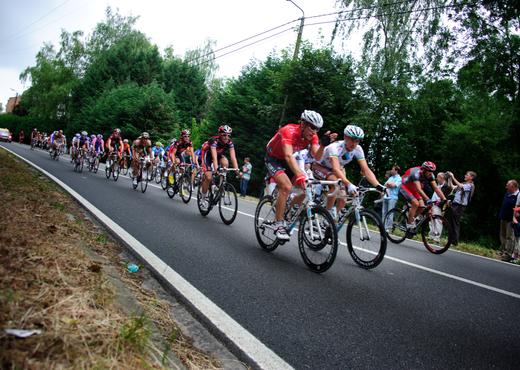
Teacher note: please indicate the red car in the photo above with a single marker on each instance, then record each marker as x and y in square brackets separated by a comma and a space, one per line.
[5, 135]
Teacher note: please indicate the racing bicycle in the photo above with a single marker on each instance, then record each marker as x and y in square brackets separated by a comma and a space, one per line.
[221, 193]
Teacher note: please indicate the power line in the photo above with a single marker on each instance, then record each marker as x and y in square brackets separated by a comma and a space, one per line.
[36, 21]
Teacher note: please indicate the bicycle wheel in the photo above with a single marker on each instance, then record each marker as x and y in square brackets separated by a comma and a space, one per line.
[132, 177]
[96, 165]
[435, 235]
[228, 203]
[318, 239]
[204, 205]
[150, 173]
[366, 240]
[185, 188]
[158, 175]
[115, 170]
[264, 224]
[80, 166]
[108, 168]
[144, 179]
[397, 233]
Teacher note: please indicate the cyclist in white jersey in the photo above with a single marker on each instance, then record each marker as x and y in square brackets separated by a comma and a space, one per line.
[336, 156]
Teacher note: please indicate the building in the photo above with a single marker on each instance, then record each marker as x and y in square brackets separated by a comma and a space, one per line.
[11, 103]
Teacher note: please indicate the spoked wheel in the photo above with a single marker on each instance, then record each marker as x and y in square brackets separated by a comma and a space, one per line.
[204, 205]
[124, 167]
[185, 188]
[264, 224]
[158, 175]
[397, 232]
[96, 165]
[318, 239]
[108, 168]
[435, 235]
[228, 203]
[132, 177]
[115, 170]
[366, 240]
[151, 173]
[144, 179]
[76, 165]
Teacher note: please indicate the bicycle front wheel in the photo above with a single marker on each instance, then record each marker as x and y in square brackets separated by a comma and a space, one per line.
[397, 218]
[228, 203]
[115, 170]
[204, 204]
[96, 165]
[318, 239]
[108, 167]
[185, 188]
[366, 239]
[144, 179]
[435, 235]
[80, 167]
[264, 224]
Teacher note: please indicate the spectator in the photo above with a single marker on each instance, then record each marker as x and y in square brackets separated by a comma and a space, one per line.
[516, 231]
[21, 137]
[463, 194]
[390, 198]
[505, 215]
[245, 176]
[436, 225]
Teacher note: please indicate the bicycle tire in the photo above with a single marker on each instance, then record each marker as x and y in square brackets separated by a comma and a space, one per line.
[115, 170]
[108, 168]
[96, 165]
[397, 233]
[185, 189]
[371, 254]
[308, 250]
[444, 243]
[204, 211]
[228, 195]
[144, 179]
[263, 223]
[158, 175]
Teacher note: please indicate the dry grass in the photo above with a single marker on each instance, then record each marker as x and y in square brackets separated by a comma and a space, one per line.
[47, 282]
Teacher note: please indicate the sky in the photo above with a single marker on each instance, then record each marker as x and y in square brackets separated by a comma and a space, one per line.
[26, 24]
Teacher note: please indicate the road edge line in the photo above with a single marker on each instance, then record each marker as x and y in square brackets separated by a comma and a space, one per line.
[242, 340]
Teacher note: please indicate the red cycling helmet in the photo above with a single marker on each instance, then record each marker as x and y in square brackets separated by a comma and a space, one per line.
[429, 166]
[225, 129]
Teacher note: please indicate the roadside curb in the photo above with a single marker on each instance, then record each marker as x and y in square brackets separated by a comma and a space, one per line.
[240, 342]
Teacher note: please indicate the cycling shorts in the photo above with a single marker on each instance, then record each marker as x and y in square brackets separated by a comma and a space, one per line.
[277, 166]
[409, 192]
[207, 164]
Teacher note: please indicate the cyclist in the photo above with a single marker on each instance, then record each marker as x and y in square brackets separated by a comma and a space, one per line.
[336, 156]
[157, 153]
[126, 150]
[115, 143]
[57, 140]
[98, 145]
[282, 166]
[34, 137]
[74, 145]
[82, 142]
[182, 151]
[142, 146]
[412, 189]
[212, 156]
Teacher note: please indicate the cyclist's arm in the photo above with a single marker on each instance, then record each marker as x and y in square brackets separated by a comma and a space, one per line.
[336, 170]
[418, 186]
[287, 150]
[368, 172]
[317, 151]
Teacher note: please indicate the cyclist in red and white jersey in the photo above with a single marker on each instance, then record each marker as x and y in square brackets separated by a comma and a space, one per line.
[213, 157]
[282, 166]
[411, 188]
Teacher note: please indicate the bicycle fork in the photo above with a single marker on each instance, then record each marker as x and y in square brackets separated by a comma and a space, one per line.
[364, 233]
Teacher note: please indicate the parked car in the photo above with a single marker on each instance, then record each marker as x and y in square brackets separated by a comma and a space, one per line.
[5, 135]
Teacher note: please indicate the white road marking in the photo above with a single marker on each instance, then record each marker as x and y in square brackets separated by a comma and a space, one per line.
[255, 350]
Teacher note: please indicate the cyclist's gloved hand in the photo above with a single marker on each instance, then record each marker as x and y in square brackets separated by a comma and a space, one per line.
[381, 188]
[351, 188]
[300, 180]
[429, 201]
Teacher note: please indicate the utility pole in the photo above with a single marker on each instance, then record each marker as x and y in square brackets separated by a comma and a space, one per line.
[295, 57]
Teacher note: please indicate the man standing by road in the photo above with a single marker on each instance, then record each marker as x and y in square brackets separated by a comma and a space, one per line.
[463, 194]
[246, 176]
[505, 215]
[390, 198]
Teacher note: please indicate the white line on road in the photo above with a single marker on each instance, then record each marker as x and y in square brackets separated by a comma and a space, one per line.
[254, 349]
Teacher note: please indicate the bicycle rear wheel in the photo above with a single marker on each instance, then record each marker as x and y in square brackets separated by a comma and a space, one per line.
[397, 232]
[264, 224]
[115, 170]
[144, 179]
[435, 235]
[366, 241]
[318, 239]
[185, 188]
[228, 203]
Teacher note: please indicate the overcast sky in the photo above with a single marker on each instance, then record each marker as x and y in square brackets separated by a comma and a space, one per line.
[26, 24]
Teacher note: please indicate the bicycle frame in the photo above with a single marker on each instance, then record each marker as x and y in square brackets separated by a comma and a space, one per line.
[356, 205]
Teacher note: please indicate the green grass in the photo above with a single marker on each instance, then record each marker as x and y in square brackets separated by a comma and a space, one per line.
[135, 333]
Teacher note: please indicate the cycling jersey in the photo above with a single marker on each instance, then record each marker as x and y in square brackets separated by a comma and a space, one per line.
[157, 152]
[339, 150]
[290, 134]
[98, 144]
[213, 142]
[181, 145]
[408, 189]
[84, 140]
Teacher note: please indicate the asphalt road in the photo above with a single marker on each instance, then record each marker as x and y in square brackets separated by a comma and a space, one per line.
[414, 311]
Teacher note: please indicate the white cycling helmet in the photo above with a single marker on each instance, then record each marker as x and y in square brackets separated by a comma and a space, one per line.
[312, 117]
[354, 132]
